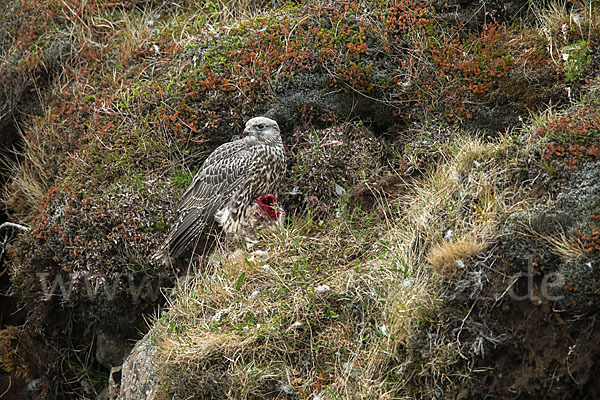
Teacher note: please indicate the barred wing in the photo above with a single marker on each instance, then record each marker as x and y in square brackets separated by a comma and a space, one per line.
[222, 167]
[221, 175]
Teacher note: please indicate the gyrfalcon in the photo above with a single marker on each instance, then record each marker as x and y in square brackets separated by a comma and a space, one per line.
[227, 186]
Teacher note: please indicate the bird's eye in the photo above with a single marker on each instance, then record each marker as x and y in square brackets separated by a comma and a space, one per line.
[261, 126]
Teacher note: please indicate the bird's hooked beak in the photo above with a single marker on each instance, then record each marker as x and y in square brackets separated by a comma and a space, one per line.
[247, 132]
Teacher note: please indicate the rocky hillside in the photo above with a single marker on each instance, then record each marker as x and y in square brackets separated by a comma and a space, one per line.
[442, 229]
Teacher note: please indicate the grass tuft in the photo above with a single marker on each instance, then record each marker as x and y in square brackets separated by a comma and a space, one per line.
[449, 257]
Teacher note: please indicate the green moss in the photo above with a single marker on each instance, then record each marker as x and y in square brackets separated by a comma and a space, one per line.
[577, 58]
[182, 179]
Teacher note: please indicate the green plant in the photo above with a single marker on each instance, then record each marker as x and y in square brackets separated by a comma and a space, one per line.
[576, 58]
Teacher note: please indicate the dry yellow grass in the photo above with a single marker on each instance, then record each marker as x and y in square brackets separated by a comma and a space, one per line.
[30, 177]
[447, 258]
[568, 249]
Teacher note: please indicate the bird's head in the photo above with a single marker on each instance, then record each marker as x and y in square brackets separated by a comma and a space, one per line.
[262, 128]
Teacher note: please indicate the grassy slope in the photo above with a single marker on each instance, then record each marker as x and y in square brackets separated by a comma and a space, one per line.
[132, 98]
[332, 309]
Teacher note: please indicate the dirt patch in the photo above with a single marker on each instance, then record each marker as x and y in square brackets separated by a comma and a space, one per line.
[545, 355]
[543, 299]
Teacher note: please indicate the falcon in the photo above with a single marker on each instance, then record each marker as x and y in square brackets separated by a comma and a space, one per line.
[235, 178]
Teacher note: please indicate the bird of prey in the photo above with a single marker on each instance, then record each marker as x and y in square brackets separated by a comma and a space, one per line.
[235, 176]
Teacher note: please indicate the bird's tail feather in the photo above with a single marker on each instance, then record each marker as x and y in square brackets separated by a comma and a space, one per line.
[161, 256]
[181, 236]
